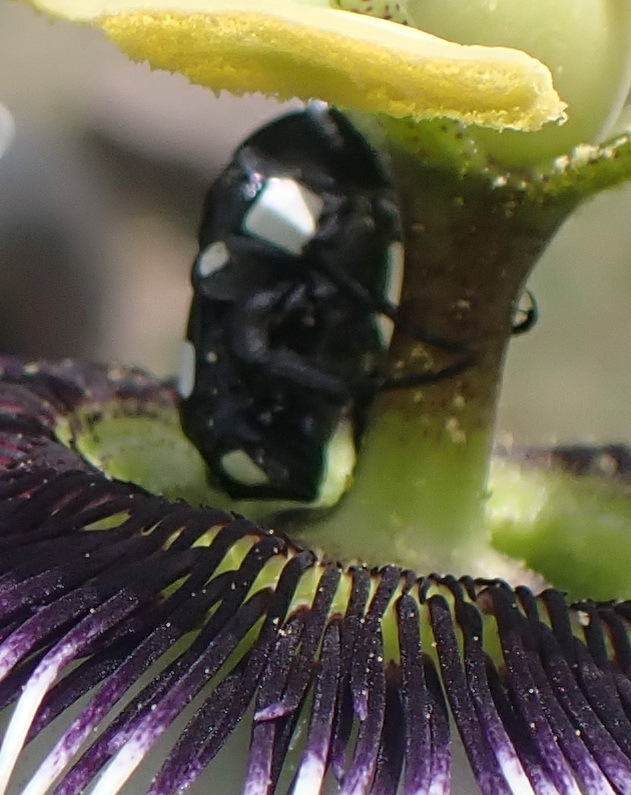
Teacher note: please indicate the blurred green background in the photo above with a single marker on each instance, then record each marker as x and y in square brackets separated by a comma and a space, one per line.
[100, 197]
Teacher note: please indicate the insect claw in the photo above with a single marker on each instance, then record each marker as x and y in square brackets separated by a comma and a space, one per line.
[530, 314]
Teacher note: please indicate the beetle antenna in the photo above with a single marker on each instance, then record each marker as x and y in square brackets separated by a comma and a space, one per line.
[352, 287]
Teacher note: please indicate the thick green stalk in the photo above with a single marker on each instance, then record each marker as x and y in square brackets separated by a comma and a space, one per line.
[471, 238]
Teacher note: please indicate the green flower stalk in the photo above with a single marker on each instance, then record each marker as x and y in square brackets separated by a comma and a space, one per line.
[164, 620]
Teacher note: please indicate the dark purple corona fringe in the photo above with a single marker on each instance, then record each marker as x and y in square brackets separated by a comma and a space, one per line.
[122, 612]
[611, 461]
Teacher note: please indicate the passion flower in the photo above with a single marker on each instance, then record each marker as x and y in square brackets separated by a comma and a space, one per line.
[144, 629]
[586, 46]
[312, 50]
[127, 617]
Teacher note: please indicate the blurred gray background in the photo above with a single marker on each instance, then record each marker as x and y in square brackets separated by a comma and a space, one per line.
[100, 197]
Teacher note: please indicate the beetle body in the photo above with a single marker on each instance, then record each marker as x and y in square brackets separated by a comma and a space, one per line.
[299, 239]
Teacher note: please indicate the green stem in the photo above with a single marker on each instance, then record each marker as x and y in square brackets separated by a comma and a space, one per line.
[586, 170]
[421, 480]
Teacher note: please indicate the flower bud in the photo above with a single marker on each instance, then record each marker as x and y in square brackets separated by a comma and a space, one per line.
[586, 45]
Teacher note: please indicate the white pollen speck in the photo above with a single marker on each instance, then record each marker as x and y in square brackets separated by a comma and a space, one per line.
[186, 380]
[285, 214]
[455, 432]
[606, 464]
[211, 357]
[212, 258]
[238, 465]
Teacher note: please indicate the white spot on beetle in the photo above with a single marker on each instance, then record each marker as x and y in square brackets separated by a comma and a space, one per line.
[338, 464]
[238, 465]
[392, 288]
[212, 258]
[285, 214]
[606, 464]
[186, 379]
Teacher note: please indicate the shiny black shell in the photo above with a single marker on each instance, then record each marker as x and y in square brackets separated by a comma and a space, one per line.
[284, 345]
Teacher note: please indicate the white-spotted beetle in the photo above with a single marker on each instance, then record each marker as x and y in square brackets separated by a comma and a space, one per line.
[295, 295]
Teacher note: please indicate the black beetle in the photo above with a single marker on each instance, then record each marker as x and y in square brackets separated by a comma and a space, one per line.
[296, 288]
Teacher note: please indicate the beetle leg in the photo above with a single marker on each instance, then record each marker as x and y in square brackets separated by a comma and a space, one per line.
[251, 343]
[529, 312]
